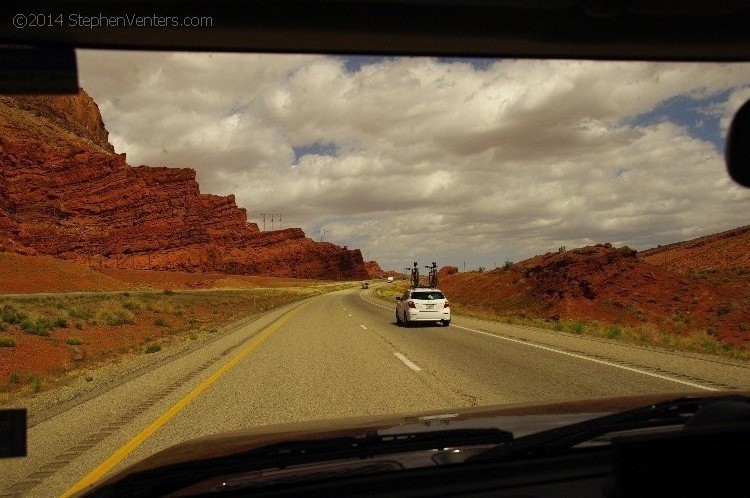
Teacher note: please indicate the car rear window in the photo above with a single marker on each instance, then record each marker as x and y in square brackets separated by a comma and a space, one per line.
[427, 295]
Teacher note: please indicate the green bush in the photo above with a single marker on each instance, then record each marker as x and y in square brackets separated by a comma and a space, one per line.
[168, 292]
[578, 327]
[74, 341]
[614, 332]
[627, 251]
[722, 310]
[160, 322]
[15, 378]
[9, 314]
[60, 321]
[118, 317]
[36, 383]
[508, 265]
[132, 306]
[152, 348]
[80, 312]
[40, 326]
[7, 342]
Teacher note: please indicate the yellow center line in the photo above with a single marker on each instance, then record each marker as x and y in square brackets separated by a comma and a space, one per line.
[108, 464]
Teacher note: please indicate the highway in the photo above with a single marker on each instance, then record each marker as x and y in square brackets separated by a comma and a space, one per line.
[339, 355]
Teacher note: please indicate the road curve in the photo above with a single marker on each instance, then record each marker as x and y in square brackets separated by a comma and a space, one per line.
[337, 355]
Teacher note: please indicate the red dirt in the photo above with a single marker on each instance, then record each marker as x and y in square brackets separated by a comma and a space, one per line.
[31, 274]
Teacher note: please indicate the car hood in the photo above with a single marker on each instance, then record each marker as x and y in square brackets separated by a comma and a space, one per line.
[520, 419]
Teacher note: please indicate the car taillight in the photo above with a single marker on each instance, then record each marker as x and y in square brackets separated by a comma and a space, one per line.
[412, 305]
[446, 305]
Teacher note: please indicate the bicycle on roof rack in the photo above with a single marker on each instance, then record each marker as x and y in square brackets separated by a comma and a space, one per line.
[415, 276]
[432, 276]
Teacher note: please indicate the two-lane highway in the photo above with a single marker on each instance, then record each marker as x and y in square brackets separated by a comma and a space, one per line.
[340, 355]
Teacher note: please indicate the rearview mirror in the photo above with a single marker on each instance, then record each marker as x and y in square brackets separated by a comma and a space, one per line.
[737, 152]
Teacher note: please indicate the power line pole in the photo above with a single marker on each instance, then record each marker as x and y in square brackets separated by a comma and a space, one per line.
[264, 220]
[324, 234]
[272, 215]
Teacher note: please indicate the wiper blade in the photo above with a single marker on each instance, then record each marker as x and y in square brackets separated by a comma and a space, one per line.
[169, 478]
[668, 413]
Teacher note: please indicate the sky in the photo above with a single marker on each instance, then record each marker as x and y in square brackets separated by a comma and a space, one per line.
[469, 163]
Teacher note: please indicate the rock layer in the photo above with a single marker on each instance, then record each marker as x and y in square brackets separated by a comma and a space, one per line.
[64, 192]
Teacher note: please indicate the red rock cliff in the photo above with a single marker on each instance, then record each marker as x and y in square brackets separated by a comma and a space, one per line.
[64, 192]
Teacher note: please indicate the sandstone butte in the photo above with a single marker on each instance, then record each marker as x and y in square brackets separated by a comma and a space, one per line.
[65, 192]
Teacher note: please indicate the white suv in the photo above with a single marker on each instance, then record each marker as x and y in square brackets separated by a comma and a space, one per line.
[422, 305]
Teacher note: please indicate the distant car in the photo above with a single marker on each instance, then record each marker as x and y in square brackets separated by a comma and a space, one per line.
[390, 280]
[365, 285]
[422, 305]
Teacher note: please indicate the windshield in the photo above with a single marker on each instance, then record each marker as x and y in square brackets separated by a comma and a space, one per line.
[427, 295]
[200, 243]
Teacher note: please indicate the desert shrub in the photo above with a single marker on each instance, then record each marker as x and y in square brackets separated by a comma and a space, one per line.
[152, 348]
[722, 310]
[116, 317]
[559, 326]
[40, 326]
[161, 322]
[15, 378]
[36, 383]
[9, 314]
[74, 341]
[81, 312]
[60, 321]
[168, 292]
[132, 306]
[561, 249]
[7, 342]
[614, 332]
[627, 251]
[578, 328]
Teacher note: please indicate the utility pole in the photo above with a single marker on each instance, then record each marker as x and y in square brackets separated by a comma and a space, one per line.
[272, 215]
[324, 234]
[264, 220]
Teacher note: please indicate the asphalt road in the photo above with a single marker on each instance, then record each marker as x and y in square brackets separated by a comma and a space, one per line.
[332, 356]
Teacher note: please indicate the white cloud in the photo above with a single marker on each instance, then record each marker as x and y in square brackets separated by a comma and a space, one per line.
[435, 161]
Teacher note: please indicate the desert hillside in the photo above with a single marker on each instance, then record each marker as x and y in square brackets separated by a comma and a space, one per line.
[65, 193]
[729, 250]
[608, 285]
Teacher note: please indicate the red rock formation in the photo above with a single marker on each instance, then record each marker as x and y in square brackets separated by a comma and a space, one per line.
[64, 192]
[374, 270]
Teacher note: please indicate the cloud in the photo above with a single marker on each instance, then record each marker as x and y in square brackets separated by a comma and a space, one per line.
[418, 158]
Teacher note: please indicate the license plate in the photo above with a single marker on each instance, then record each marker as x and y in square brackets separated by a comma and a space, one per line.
[429, 306]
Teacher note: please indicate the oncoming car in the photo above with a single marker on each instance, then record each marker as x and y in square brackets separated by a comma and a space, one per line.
[422, 304]
[365, 284]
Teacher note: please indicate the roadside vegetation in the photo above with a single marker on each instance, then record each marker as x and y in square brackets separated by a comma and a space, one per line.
[44, 340]
[646, 334]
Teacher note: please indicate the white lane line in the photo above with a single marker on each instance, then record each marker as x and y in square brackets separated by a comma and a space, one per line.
[595, 360]
[376, 304]
[407, 362]
[363, 326]
[575, 355]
